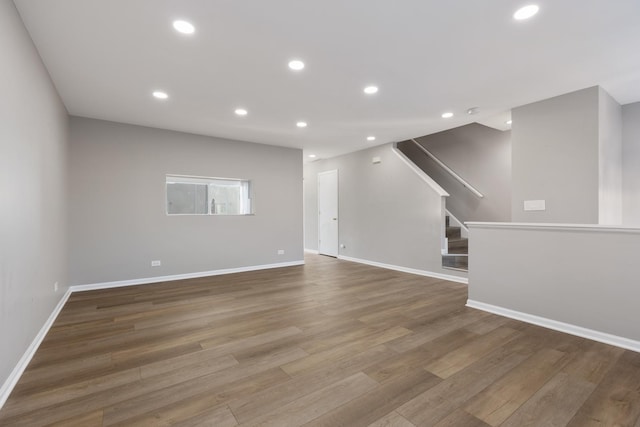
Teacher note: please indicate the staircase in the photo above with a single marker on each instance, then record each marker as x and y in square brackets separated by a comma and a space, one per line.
[457, 257]
[454, 247]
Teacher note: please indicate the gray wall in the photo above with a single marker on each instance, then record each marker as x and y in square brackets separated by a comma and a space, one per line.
[387, 214]
[555, 157]
[117, 203]
[479, 154]
[610, 140]
[578, 276]
[631, 164]
[33, 150]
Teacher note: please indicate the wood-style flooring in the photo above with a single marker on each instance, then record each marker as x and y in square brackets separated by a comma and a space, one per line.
[331, 343]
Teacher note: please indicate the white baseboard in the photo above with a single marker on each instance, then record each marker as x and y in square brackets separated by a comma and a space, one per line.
[148, 280]
[311, 251]
[568, 328]
[22, 364]
[407, 270]
[12, 380]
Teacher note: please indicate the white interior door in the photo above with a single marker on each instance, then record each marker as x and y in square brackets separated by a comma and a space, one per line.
[328, 213]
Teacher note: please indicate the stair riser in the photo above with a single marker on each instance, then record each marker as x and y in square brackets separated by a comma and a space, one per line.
[462, 243]
[461, 263]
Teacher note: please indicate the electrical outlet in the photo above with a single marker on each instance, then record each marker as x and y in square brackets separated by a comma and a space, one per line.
[55, 287]
[280, 251]
[156, 263]
[534, 205]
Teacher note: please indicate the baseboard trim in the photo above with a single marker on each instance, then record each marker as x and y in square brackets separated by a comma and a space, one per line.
[22, 364]
[156, 279]
[568, 328]
[407, 270]
[312, 251]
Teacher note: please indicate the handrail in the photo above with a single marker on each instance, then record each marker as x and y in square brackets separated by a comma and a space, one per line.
[422, 174]
[449, 170]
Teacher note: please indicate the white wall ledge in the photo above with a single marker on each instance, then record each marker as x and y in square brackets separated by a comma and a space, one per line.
[553, 226]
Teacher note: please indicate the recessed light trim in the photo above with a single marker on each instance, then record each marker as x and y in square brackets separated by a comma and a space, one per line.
[312, 156]
[371, 138]
[241, 112]
[183, 27]
[447, 115]
[158, 94]
[301, 124]
[526, 12]
[296, 65]
[370, 90]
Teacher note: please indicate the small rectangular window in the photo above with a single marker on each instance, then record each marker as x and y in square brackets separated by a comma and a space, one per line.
[190, 195]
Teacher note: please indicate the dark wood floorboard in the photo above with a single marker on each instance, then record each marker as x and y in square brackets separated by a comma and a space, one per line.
[330, 343]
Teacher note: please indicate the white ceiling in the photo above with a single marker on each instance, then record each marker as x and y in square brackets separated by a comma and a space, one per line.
[107, 56]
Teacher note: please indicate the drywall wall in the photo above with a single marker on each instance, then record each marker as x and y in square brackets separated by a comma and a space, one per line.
[567, 151]
[387, 213]
[33, 216]
[481, 156]
[118, 211]
[576, 275]
[610, 158]
[555, 157]
[631, 164]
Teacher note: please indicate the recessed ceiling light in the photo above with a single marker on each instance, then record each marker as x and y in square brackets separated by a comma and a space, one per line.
[509, 122]
[526, 12]
[301, 124]
[296, 65]
[370, 90]
[241, 112]
[447, 115]
[160, 94]
[313, 156]
[184, 27]
[473, 110]
[371, 138]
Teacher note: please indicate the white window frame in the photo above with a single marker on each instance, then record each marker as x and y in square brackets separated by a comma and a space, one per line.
[246, 198]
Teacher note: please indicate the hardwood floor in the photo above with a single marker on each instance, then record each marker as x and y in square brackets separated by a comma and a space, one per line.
[331, 343]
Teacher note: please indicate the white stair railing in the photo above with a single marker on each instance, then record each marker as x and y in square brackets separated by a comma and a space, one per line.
[449, 170]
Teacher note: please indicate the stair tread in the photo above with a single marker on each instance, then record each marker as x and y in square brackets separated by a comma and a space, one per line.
[459, 239]
[459, 251]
